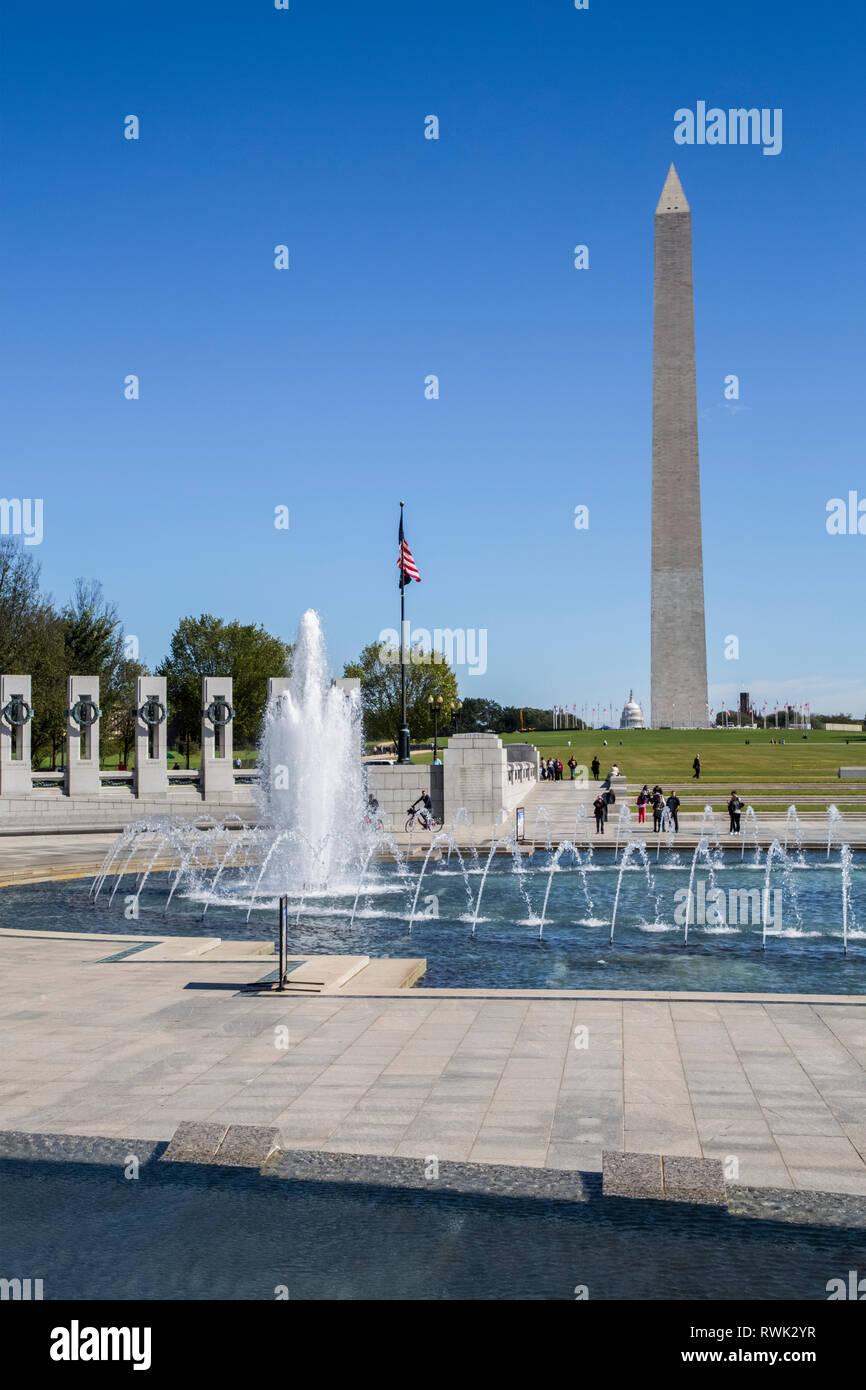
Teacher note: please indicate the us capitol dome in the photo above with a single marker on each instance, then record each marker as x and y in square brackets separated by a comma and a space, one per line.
[632, 714]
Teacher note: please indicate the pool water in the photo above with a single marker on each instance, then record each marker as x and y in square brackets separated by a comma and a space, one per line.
[798, 950]
[192, 1232]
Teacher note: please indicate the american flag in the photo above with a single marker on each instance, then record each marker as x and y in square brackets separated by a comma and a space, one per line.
[405, 563]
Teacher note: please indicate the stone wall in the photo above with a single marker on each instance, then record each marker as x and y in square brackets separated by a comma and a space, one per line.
[395, 787]
[477, 774]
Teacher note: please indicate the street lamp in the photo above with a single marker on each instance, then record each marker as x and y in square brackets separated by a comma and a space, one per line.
[435, 706]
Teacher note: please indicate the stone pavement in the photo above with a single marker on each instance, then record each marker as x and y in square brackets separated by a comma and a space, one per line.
[92, 1047]
[554, 805]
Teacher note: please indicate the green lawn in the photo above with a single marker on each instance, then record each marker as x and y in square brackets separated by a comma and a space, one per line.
[650, 755]
[177, 760]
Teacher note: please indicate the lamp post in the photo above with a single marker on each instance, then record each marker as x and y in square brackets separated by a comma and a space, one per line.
[435, 706]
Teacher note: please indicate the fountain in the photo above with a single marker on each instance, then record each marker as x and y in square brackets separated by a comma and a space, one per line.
[637, 847]
[776, 851]
[311, 838]
[581, 822]
[312, 781]
[463, 815]
[312, 844]
[846, 894]
[666, 828]
[564, 847]
[709, 814]
[751, 819]
[835, 820]
[623, 826]
[702, 850]
[510, 843]
[548, 844]
[446, 837]
[792, 823]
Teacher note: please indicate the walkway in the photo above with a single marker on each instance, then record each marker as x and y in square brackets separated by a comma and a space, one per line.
[129, 1050]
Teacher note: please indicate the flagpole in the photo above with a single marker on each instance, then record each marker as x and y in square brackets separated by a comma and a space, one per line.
[403, 755]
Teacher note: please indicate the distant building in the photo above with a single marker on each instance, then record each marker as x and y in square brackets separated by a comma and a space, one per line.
[632, 714]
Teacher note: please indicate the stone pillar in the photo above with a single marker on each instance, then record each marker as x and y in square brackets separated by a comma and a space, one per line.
[475, 777]
[217, 772]
[151, 740]
[350, 685]
[15, 771]
[277, 685]
[82, 740]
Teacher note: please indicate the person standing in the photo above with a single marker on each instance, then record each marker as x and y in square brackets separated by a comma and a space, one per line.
[559, 769]
[551, 770]
[697, 767]
[658, 807]
[572, 763]
[595, 768]
[735, 806]
[673, 805]
[599, 806]
[642, 799]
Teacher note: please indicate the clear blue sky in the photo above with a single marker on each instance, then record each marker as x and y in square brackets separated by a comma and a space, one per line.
[408, 257]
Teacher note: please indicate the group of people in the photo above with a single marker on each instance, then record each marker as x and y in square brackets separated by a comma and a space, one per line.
[552, 769]
[659, 803]
[655, 799]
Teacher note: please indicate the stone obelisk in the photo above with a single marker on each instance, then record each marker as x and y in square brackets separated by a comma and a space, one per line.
[679, 640]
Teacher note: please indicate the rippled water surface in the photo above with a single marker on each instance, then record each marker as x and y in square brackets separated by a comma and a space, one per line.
[799, 949]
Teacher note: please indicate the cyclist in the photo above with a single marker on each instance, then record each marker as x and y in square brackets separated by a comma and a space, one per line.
[372, 815]
[422, 809]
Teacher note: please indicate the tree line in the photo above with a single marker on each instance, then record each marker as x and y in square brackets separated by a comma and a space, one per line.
[378, 669]
[85, 636]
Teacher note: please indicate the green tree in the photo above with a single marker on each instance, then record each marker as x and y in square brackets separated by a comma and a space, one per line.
[31, 640]
[477, 714]
[379, 671]
[93, 646]
[208, 646]
[119, 724]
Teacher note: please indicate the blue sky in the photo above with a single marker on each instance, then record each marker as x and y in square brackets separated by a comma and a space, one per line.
[305, 387]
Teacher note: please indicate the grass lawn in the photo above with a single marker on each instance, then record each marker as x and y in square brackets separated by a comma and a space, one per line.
[665, 755]
[176, 760]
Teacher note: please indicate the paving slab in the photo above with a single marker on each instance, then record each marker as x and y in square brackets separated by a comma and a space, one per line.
[694, 1180]
[194, 1142]
[632, 1174]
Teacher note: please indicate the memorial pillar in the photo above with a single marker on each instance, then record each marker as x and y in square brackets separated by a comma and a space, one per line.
[82, 736]
[217, 716]
[15, 729]
[151, 736]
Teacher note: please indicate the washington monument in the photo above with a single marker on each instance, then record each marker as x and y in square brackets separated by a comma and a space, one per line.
[679, 639]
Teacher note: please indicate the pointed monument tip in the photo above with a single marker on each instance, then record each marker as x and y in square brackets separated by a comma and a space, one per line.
[673, 198]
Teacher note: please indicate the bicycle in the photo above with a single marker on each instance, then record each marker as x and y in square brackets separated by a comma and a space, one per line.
[425, 819]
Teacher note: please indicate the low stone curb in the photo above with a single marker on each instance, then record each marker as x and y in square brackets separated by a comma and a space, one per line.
[237, 1146]
[663, 1177]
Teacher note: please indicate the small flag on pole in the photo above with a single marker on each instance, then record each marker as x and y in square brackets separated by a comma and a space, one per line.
[405, 563]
